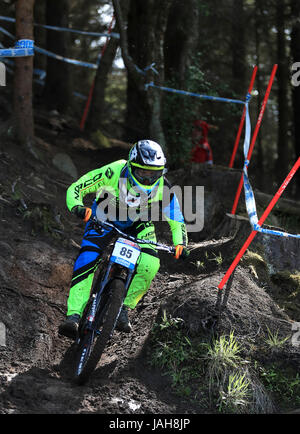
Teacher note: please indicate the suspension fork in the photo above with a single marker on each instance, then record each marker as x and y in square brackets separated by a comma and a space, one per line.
[97, 297]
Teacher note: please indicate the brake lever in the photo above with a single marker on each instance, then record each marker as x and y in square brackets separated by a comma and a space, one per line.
[102, 225]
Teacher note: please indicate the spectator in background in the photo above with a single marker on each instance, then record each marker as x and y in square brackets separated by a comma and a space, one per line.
[201, 151]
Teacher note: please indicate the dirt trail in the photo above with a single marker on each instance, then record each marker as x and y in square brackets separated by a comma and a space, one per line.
[35, 269]
[39, 242]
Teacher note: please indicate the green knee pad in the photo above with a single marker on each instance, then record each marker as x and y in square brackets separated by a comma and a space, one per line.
[147, 267]
[146, 270]
[79, 295]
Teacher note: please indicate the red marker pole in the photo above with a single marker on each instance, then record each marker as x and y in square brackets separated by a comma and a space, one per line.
[239, 133]
[258, 124]
[260, 222]
[90, 96]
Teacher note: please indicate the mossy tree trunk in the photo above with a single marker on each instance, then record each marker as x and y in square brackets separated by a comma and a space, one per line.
[143, 44]
[23, 110]
[57, 92]
[97, 109]
[295, 52]
[283, 109]
[238, 43]
[181, 40]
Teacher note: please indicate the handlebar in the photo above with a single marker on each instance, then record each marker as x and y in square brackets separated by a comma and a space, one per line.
[159, 246]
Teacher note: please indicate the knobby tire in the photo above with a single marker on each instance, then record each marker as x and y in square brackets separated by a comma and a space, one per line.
[116, 289]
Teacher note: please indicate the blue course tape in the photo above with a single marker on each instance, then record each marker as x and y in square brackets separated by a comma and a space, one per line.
[36, 71]
[65, 59]
[143, 71]
[80, 32]
[249, 196]
[25, 43]
[272, 232]
[3, 30]
[66, 29]
[80, 96]
[14, 53]
[39, 72]
[197, 95]
[23, 48]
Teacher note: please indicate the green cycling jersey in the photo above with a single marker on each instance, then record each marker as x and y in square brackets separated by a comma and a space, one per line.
[111, 186]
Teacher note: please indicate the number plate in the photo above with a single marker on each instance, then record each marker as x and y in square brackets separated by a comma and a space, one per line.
[125, 253]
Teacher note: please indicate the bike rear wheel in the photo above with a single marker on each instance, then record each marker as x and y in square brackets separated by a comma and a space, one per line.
[92, 345]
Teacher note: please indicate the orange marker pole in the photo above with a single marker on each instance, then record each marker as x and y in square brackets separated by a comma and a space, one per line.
[260, 223]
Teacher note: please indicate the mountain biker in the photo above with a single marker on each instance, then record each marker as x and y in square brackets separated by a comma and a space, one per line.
[133, 186]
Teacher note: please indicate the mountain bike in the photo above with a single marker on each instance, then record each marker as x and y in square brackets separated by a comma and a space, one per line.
[101, 313]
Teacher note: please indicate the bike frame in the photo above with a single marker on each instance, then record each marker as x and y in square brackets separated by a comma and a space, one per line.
[91, 324]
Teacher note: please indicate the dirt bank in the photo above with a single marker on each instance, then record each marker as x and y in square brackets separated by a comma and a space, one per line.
[39, 242]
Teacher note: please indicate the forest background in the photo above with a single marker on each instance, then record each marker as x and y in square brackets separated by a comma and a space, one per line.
[204, 46]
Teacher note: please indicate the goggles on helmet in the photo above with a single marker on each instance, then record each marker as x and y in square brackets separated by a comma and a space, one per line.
[146, 176]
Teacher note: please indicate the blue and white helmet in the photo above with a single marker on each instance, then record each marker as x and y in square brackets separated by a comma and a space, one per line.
[146, 163]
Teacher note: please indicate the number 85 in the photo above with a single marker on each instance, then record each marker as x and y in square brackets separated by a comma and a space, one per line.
[126, 252]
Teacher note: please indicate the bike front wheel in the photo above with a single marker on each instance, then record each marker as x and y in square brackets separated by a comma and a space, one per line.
[93, 344]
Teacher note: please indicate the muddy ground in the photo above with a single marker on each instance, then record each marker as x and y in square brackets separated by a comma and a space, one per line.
[39, 240]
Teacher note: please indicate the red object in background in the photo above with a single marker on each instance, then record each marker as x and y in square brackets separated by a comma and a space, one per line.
[203, 126]
[201, 152]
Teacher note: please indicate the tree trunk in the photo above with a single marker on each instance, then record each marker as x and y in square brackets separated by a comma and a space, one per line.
[97, 109]
[156, 42]
[282, 143]
[136, 114]
[295, 53]
[238, 48]
[260, 153]
[181, 39]
[180, 52]
[40, 62]
[57, 87]
[146, 28]
[23, 75]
